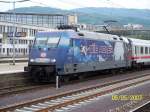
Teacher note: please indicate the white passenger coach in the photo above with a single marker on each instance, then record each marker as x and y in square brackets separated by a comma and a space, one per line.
[140, 51]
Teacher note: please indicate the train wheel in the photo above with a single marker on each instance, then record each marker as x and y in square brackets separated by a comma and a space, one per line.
[34, 78]
[49, 74]
[81, 77]
[36, 75]
[65, 79]
[113, 72]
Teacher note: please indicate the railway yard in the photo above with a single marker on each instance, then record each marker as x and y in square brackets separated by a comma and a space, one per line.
[103, 92]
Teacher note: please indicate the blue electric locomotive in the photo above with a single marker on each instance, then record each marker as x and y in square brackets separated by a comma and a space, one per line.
[66, 52]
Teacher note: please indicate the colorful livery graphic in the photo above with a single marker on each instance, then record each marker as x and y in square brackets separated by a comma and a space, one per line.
[92, 50]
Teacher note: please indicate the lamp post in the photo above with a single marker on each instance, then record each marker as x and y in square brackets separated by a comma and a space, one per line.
[14, 31]
[14, 20]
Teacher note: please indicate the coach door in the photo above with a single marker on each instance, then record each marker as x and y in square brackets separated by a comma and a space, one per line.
[119, 51]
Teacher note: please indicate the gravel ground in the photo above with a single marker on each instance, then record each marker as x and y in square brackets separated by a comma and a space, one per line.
[33, 94]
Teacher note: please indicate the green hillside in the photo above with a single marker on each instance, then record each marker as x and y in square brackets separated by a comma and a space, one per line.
[98, 15]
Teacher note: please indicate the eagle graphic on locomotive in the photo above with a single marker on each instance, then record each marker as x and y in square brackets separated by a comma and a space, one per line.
[67, 52]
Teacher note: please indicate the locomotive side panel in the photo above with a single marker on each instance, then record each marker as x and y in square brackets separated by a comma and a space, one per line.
[92, 55]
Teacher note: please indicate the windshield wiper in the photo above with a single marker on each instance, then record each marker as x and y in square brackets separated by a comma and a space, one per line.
[58, 41]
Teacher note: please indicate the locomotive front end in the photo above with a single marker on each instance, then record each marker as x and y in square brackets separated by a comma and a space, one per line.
[43, 56]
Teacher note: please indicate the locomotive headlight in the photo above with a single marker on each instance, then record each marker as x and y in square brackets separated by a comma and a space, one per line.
[31, 60]
[53, 60]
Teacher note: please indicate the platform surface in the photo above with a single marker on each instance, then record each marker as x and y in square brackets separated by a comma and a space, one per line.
[6, 68]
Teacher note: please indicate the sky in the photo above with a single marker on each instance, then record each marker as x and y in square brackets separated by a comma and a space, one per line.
[71, 4]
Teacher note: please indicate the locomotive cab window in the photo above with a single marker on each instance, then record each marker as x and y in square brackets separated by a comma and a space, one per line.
[53, 42]
[41, 41]
[49, 41]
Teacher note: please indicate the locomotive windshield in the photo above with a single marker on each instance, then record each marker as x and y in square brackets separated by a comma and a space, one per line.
[49, 41]
[53, 42]
[41, 41]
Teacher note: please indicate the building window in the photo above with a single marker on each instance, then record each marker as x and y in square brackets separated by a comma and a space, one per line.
[10, 50]
[3, 50]
[15, 50]
[7, 50]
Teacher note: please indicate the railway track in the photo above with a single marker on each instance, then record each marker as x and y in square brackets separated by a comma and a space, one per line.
[21, 89]
[14, 87]
[8, 80]
[144, 108]
[74, 98]
[17, 83]
[13, 83]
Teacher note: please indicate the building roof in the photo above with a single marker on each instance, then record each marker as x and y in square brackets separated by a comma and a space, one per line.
[44, 14]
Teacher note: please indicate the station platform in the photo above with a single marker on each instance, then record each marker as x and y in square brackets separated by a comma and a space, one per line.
[6, 68]
[9, 60]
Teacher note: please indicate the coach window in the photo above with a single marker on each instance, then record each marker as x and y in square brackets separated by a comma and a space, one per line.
[149, 50]
[142, 50]
[138, 48]
[135, 50]
[146, 50]
[0, 50]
